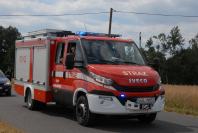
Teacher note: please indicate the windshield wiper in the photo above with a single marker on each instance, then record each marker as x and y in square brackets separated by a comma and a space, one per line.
[101, 61]
[109, 61]
[127, 62]
[120, 61]
[115, 61]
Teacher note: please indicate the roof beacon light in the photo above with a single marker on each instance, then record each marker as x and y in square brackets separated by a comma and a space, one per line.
[83, 33]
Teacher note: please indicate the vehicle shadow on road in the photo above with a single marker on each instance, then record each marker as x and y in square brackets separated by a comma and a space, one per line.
[135, 126]
[58, 111]
[120, 125]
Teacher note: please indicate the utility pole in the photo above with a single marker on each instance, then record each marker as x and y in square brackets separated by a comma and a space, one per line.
[140, 39]
[110, 20]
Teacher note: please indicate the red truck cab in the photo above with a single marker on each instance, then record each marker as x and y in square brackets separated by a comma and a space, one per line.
[95, 74]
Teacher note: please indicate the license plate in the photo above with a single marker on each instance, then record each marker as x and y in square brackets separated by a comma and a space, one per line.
[146, 100]
[146, 106]
[132, 106]
[140, 104]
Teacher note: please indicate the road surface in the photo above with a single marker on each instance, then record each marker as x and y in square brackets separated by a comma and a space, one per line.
[54, 119]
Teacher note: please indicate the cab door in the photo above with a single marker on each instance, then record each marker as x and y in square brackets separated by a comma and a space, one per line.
[64, 78]
[58, 71]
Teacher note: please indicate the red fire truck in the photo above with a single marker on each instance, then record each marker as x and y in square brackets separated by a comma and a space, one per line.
[91, 72]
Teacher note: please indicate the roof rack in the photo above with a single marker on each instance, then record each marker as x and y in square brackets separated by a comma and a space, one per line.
[47, 33]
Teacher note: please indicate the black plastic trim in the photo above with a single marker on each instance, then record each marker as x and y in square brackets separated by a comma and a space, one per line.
[99, 92]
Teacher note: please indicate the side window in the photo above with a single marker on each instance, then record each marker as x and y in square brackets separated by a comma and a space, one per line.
[78, 54]
[60, 53]
[74, 48]
[71, 48]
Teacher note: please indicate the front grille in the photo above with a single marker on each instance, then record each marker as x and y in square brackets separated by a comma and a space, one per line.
[136, 88]
[1, 84]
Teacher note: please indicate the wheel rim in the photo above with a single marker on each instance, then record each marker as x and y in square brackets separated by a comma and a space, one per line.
[81, 110]
[29, 100]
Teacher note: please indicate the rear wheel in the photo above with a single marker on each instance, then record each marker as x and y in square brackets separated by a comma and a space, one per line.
[31, 103]
[147, 118]
[83, 115]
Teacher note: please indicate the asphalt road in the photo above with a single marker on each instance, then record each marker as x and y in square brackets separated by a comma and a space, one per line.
[54, 119]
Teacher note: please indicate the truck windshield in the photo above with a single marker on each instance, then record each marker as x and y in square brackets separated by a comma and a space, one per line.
[112, 52]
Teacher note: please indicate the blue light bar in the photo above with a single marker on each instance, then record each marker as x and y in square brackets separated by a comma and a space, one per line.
[83, 33]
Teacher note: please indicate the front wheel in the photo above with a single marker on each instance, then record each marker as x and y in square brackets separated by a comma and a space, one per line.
[147, 118]
[9, 92]
[83, 115]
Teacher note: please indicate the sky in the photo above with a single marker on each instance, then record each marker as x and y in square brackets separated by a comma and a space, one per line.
[129, 25]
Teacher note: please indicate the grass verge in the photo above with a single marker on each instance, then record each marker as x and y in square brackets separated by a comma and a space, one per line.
[182, 99]
[6, 128]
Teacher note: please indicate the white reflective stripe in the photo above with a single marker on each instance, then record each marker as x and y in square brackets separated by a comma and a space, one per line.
[109, 87]
[57, 86]
[34, 85]
[40, 87]
[81, 76]
[67, 75]
[89, 79]
[58, 74]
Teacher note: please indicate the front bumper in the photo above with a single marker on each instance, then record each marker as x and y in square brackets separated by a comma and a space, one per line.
[112, 106]
[4, 89]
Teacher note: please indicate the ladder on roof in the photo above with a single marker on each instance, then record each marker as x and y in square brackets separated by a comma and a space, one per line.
[47, 33]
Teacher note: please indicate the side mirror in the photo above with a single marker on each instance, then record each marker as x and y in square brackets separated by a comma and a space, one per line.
[69, 61]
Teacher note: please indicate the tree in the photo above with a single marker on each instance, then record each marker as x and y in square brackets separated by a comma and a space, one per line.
[182, 66]
[8, 37]
[175, 41]
[153, 52]
[149, 43]
[194, 42]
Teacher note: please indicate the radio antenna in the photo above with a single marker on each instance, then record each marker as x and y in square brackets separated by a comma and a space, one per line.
[85, 27]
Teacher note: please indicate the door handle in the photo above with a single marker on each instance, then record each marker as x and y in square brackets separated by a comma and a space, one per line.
[64, 74]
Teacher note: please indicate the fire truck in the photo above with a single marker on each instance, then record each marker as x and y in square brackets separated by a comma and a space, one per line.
[94, 73]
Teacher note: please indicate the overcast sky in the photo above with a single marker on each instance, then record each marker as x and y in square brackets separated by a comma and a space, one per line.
[129, 25]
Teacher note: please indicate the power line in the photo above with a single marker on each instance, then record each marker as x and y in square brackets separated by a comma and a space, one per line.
[157, 14]
[95, 13]
[51, 15]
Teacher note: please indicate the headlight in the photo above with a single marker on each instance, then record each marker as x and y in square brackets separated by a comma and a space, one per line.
[7, 83]
[101, 79]
[159, 82]
[161, 88]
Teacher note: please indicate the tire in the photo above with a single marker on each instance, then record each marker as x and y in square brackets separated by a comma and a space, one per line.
[9, 93]
[31, 103]
[41, 105]
[147, 118]
[83, 114]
